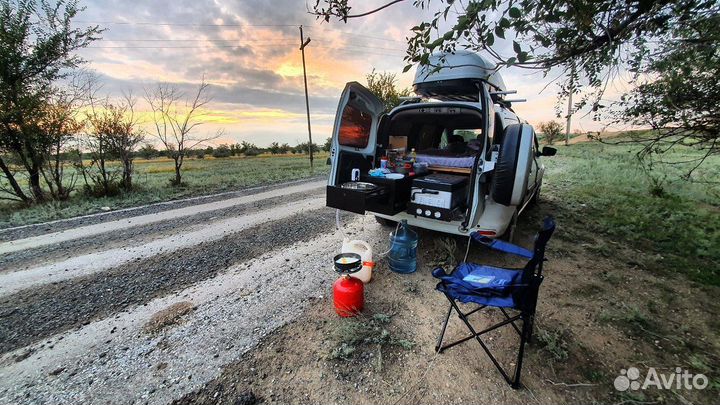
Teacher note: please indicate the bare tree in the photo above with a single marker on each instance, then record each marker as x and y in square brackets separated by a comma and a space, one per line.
[60, 125]
[112, 134]
[100, 124]
[125, 137]
[174, 123]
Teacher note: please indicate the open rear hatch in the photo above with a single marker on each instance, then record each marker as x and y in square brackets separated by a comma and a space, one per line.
[354, 143]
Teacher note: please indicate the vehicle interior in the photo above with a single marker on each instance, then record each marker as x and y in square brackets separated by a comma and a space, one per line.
[418, 144]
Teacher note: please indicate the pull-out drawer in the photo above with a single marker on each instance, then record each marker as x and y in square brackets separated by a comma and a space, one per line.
[354, 200]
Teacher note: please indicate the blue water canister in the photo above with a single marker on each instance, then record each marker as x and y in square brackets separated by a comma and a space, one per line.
[403, 251]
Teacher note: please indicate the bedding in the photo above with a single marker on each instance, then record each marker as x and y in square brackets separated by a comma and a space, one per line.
[448, 161]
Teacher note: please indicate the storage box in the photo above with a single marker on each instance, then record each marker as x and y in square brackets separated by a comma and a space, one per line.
[437, 196]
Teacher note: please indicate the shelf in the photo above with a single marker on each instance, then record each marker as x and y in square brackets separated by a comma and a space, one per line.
[448, 169]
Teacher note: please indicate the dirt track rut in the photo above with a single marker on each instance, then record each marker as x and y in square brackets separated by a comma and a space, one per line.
[73, 320]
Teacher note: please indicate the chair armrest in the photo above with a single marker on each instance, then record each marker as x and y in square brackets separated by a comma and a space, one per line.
[502, 246]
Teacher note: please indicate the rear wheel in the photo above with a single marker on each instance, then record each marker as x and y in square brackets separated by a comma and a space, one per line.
[510, 177]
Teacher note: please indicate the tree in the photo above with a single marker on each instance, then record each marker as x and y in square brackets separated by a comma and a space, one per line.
[148, 151]
[113, 133]
[680, 98]
[248, 149]
[222, 151]
[101, 122]
[305, 148]
[60, 125]
[125, 136]
[38, 43]
[274, 148]
[383, 86]
[551, 130]
[175, 123]
[587, 42]
[327, 145]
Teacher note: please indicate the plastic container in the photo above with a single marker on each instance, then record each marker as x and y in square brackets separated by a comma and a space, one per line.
[403, 249]
[365, 251]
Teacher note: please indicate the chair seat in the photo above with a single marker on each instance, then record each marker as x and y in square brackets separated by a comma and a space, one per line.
[481, 284]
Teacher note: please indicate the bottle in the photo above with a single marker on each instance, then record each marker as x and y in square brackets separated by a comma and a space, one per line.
[413, 155]
[403, 249]
[365, 251]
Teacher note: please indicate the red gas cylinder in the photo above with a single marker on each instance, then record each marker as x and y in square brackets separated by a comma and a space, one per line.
[348, 296]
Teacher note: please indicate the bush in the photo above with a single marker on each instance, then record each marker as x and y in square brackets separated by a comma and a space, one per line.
[222, 151]
[552, 131]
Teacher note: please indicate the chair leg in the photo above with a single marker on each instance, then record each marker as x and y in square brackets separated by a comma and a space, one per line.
[476, 335]
[508, 317]
[523, 338]
[531, 328]
[438, 347]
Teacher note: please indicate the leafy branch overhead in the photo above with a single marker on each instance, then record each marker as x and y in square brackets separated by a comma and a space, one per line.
[586, 44]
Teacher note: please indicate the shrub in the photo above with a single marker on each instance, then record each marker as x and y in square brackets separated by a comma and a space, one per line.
[222, 151]
[552, 131]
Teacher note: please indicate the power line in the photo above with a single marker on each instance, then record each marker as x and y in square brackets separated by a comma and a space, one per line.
[357, 34]
[184, 47]
[365, 47]
[190, 40]
[244, 41]
[182, 24]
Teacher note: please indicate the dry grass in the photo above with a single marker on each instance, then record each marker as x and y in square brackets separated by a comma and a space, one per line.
[169, 316]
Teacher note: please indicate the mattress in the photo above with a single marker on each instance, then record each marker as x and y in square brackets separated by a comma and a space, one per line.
[447, 161]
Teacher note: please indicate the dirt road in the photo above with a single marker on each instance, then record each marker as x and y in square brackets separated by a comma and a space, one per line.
[148, 305]
[226, 299]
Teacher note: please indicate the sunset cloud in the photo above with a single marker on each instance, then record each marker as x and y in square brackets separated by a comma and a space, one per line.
[248, 52]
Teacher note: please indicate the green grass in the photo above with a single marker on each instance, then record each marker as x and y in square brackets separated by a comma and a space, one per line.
[674, 222]
[151, 179]
[363, 333]
[553, 342]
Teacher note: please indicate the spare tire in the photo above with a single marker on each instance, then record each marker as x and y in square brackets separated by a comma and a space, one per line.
[509, 183]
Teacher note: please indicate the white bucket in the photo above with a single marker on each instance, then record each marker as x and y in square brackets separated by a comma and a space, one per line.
[365, 251]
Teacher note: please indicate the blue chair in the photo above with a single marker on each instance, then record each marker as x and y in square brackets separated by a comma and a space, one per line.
[505, 289]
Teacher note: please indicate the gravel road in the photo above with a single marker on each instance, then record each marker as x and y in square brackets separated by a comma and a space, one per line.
[77, 300]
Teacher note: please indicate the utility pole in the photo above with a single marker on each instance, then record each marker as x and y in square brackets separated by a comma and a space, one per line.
[569, 110]
[303, 44]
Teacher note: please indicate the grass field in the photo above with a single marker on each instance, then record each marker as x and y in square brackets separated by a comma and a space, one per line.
[601, 186]
[675, 221]
[202, 176]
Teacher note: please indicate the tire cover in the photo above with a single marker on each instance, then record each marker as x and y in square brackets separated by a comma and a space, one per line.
[509, 183]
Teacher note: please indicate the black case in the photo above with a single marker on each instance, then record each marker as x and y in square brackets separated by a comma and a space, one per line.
[441, 182]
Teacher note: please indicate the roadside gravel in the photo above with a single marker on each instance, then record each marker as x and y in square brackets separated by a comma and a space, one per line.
[31, 315]
[25, 259]
[15, 233]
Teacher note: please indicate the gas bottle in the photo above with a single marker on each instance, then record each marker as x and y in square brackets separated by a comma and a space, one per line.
[365, 251]
[403, 249]
[348, 296]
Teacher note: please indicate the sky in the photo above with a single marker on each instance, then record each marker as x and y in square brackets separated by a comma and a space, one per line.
[248, 52]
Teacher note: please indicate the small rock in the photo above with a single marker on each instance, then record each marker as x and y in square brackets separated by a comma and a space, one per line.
[57, 371]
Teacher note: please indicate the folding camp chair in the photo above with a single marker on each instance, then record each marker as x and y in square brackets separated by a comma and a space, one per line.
[487, 286]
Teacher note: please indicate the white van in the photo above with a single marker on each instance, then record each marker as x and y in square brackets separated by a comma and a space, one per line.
[455, 159]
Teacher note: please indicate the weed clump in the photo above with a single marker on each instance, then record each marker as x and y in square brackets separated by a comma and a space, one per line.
[362, 333]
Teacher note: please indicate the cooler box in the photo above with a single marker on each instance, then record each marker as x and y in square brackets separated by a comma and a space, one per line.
[437, 196]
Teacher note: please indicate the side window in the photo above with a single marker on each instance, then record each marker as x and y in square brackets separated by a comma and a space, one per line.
[468, 134]
[354, 127]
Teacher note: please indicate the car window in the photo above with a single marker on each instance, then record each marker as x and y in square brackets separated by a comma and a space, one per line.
[468, 134]
[354, 127]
